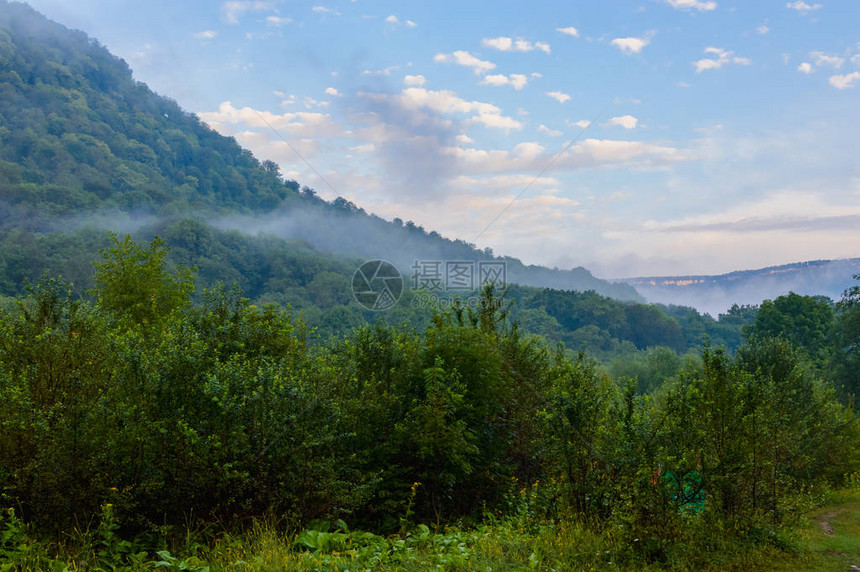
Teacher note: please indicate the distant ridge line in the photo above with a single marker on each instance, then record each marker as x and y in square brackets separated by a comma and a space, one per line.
[739, 273]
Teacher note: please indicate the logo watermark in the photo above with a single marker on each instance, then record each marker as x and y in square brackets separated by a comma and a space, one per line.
[378, 285]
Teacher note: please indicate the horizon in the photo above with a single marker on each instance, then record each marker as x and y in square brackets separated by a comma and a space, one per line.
[473, 113]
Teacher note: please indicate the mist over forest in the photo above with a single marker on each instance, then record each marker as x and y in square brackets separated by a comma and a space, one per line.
[199, 372]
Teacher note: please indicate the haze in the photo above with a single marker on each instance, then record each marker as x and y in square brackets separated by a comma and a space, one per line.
[726, 134]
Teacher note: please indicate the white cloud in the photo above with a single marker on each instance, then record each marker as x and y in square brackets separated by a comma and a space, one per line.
[821, 59]
[558, 96]
[464, 140]
[332, 91]
[278, 20]
[505, 44]
[415, 80]
[323, 10]
[763, 29]
[570, 31]
[447, 102]
[551, 132]
[517, 81]
[630, 45]
[582, 123]
[395, 21]
[310, 103]
[366, 148]
[205, 35]
[230, 11]
[722, 58]
[464, 58]
[298, 124]
[497, 121]
[625, 121]
[805, 67]
[844, 81]
[589, 153]
[693, 5]
[801, 6]
[386, 72]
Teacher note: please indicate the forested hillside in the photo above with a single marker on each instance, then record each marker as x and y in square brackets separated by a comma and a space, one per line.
[86, 148]
[85, 143]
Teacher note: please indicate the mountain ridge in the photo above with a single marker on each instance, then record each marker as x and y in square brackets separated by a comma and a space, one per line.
[717, 292]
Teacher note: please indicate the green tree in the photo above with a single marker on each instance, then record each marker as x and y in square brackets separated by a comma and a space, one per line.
[135, 284]
[805, 321]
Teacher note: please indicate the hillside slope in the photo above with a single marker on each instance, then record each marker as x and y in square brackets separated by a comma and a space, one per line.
[84, 143]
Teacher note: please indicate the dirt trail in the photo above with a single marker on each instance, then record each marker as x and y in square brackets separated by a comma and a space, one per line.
[823, 521]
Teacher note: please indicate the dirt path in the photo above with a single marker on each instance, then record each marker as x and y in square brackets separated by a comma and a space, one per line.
[823, 521]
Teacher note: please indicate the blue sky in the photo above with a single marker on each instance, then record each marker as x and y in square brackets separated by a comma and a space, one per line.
[726, 134]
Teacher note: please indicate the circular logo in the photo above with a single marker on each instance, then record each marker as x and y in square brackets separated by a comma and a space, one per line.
[377, 285]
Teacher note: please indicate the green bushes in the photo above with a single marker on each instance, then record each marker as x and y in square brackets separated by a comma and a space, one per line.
[164, 412]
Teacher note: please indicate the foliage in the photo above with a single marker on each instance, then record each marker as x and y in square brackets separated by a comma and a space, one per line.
[140, 410]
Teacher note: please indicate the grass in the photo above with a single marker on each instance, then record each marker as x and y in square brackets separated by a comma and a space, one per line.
[828, 540]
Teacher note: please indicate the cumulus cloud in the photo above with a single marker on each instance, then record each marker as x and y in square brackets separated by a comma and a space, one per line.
[505, 44]
[763, 29]
[822, 59]
[205, 35]
[446, 102]
[395, 21]
[232, 10]
[551, 132]
[801, 6]
[278, 20]
[332, 91]
[582, 123]
[465, 59]
[570, 31]
[589, 153]
[844, 81]
[517, 81]
[625, 121]
[559, 96]
[805, 67]
[415, 80]
[365, 148]
[693, 5]
[631, 45]
[721, 58]
[299, 124]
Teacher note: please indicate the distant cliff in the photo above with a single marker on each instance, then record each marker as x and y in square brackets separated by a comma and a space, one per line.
[716, 294]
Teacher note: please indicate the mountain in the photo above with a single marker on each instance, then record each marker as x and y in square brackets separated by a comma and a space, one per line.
[84, 148]
[84, 144]
[716, 294]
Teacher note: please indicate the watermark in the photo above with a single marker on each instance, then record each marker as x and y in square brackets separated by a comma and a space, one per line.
[457, 275]
[377, 284]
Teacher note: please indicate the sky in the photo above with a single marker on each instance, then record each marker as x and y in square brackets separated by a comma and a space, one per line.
[634, 138]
